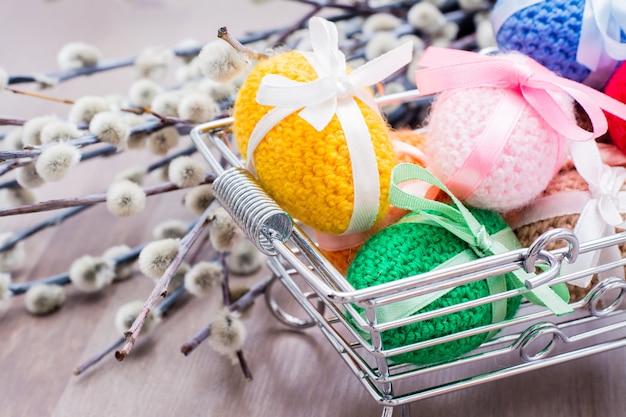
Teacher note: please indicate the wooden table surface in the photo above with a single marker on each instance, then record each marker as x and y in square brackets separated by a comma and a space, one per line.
[295, 373]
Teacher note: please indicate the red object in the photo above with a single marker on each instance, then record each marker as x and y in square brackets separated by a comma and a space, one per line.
[616, 88]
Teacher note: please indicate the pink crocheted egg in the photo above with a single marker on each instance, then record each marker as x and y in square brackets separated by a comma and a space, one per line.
[530, 150]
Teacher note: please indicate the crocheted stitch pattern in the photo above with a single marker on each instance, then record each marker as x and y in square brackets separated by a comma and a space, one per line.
[549, 32]
[525, 164]
[407, 249]
[308, 172]
[568, 179]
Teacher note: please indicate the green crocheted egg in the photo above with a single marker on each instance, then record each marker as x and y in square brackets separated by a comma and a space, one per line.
[407, 249]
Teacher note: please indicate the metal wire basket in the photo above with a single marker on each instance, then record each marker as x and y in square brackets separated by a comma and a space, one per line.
[533, 339]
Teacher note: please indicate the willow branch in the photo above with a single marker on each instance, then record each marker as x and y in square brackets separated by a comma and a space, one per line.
[160, 289]
[240, 305]
[60, 76]
[196, 340]
[160, 311]
[89, 200]
[11, 121]
[64, 278]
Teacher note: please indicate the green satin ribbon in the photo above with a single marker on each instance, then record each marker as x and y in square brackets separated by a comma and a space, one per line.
[459, 221]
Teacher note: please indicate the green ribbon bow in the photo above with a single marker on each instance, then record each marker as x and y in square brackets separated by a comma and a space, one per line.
[459, 221]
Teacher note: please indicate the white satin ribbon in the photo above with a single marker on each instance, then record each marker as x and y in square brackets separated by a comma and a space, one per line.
[334, 93]
[602, 20]
[602, 214]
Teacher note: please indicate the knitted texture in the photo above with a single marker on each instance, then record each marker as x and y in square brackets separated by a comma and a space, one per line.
[549, 32]
[342, 258]
[616, 88]
[524, 166]
[308, 172]
[566, 180]
[407, 249]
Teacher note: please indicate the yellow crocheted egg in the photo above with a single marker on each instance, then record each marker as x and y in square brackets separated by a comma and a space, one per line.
[308, 172]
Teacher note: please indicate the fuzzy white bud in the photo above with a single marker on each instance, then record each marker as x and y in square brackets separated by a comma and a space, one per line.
[125, 198]
[17, 196]
[245, 258]
[86, 107]
[153, 62]
[380, 22]
[170, 229]
[123, 271]
[161, 141]
[43, 299]
[380, 43]
[166, 103]
[109, 127]
[197, 108]
[199, 198]
[426, 17]
[91, 274]
[221, 62]
[472, 5]
[224, 233]
[189, 72]
[13, 139]
[485, 37]
[11, 259]
[203, 277]
[56, 160]
[31, 131]
[135, 140]
[228, 333]
[127, 313]
[185, 171]
[156, 256]
[58, 131]
[143, 91]
[28, 177]
[217, 91]
[77, 55]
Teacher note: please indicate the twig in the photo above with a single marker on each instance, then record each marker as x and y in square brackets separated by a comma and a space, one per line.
[64, 278]
[240, 305]
[160, 311]
[297, 25]
[225, 284]
[61, 76]
[11, 121]
[223, 34]
[160, 290]
[195, 341]
[88, 200]
[98, 356]
[21, 288]
[53, 221]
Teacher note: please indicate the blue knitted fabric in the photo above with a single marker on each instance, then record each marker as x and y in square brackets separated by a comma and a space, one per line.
[548, 32]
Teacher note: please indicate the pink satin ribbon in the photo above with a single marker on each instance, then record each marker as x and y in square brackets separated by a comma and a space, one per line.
[533, 85]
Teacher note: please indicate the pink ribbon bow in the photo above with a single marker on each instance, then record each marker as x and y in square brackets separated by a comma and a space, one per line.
[534, 85]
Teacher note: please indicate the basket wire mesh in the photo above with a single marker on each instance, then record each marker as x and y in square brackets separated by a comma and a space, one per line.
[532, 339]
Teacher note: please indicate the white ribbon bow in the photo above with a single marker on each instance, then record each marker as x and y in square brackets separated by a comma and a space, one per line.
[599, 46]
[602, 20]
[333, 93]
[602, 214]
